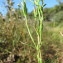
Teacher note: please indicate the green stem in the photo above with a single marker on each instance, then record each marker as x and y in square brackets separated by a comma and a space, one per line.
[29, 32]
[39, 57]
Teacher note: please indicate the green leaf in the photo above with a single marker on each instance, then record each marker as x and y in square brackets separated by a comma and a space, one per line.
[25, 8]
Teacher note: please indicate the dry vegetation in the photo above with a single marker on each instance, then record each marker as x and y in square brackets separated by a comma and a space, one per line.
[16, 45]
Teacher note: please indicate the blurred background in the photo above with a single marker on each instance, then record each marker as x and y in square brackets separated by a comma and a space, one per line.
[15, 43]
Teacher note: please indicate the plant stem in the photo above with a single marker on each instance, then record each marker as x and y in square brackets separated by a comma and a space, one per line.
[39, 58]
[38, 14]
[29, 32]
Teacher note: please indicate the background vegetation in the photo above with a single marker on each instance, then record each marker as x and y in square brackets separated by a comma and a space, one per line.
[15, 43]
